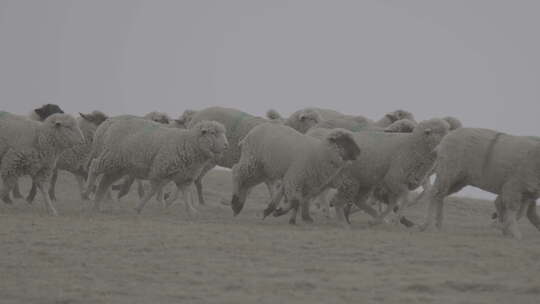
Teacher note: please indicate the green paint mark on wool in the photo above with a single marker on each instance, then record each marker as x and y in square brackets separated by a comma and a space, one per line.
[2, 113]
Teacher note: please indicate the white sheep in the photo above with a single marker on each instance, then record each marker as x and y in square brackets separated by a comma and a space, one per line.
[304, 119]
[503, 164]
[391, 165]
[97, 146]
[237, 124]
[306, 165]
[182, 122]
[158, 117]
[147, 150]
[39, 114]
[75, 159]
[29, 147]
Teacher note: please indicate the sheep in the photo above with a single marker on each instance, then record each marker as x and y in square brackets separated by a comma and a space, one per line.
[28, 147]
[97, 146]
[46, 110]
[158, 117]
[184, 119]
[306, 165]
[148, 150]
[304, 119]
[453, 124]
[401, 126]
[74, 159]
[237, 124]
[39, 114]
[503, 164]
[355, 125]
[391, 165]
[394, 116]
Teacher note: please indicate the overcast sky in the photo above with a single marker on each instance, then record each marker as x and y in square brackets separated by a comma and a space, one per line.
[476, 60]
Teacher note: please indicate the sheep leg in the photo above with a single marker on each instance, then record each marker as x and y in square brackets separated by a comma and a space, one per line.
[186, 194]
[172, 198]
[294, 206]
[9, 184]
[198, 181]
[198, 186]
[140, 188]
[154, 186]
[104, 188]
[16, 191]
[324, 203]
[532, 215]
[92, 176]
[305, 211]
[52, 188]
[48, 204]
[512, 201]
[32, 194]
[80, 184]
[124, 187]
[245, 176]
[271, 208]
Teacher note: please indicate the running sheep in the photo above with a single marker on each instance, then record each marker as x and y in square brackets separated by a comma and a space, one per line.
[306, 165]
[29, 147]
[148, 150]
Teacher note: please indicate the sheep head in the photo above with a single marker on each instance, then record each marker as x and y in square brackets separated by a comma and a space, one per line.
[343, 142]
[453, 122]
[431, 131]
[401, 126]
[96, 117]
[273, 115]
[47, 110]
[184, 119]
[64, 130]
[211, 137]
[158, 117]
[303, 120]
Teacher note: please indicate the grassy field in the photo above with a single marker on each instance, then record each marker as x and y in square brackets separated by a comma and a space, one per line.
[162, 256]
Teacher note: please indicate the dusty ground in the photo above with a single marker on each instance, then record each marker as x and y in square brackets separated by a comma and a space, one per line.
[161, 256]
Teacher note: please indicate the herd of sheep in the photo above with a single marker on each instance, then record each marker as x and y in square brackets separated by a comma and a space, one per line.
[303, 158]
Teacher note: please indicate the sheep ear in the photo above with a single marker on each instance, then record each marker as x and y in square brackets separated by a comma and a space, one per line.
[40, 112]
[85, 116]
[392, 116]
[58, 124]
[346, 142]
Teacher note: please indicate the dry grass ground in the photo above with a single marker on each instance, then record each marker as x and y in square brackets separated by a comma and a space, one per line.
[161, 256]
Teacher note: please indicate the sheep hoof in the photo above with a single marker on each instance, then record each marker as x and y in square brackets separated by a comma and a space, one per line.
[267, 212]
[138, 210]
[406, 222]
[292, 221]
[497, 225]
[308, 219]
[166, 195]
[53, 213]
[513, 232]
[375, 222]
[279, 212]
[423, 227]
[7, 200]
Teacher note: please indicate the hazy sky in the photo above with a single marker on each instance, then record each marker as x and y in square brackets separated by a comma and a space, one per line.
[477, 60]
